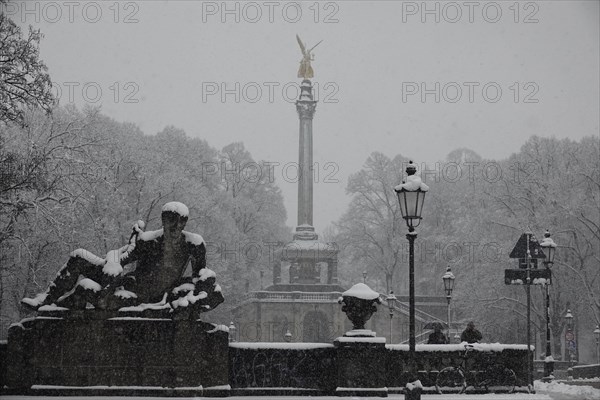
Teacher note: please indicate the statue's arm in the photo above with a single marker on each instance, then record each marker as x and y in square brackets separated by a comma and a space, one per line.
[130, 253]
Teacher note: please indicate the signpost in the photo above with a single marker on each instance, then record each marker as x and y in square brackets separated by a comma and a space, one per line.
[528, 251]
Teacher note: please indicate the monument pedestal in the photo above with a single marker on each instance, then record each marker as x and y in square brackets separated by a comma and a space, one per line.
[361, 367]
[119, 355]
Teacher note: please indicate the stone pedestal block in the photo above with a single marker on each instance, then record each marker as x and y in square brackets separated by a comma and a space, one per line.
[361, 366]
[121, 353]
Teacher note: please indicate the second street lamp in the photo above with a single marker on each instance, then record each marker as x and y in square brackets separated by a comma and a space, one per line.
[448, 279]
[391, 300]
[597, 335]
[232, 332]
[570, 340]
[549, 248]
[411, 195]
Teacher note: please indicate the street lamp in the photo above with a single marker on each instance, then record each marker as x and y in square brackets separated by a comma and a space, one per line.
[448, 279]
[569, 319]
[549, 248]
[411, 195]
[391, 301]
[569, 339]
[456, 338]
[597, 335]
[232, 332]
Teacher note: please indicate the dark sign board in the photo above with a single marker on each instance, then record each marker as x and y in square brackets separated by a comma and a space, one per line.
[519, 276]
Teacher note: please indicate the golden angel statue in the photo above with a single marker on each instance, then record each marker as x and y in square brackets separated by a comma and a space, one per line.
[306, 70]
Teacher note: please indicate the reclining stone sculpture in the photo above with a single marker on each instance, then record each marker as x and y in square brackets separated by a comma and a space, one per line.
[157, 282]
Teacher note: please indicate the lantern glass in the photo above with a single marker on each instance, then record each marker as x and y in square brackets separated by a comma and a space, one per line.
[411, 204]
[549, 248]
[448, 283]
[448, 279]
[549, 253]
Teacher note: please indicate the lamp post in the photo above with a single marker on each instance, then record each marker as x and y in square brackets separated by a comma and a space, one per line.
[569, 340]
[549, 248]
[391, 301]
[448, 279]
[597, 336]
[411, 195]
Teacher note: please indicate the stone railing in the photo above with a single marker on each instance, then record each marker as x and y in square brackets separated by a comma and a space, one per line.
[283, 297]
[404, 308]
[282, 368]
[431, 358]
[586, 371]
[311, 368]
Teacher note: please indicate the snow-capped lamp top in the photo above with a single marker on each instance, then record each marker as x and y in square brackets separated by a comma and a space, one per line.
[177, 208]
[547, 240]
[448, 274]
[413, 182]
[361, 291]
[549, 248]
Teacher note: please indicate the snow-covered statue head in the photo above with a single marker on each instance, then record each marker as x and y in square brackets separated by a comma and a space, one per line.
[174, 216]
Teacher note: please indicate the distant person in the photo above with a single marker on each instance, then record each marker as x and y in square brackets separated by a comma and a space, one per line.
[470, 335]
[437, 337]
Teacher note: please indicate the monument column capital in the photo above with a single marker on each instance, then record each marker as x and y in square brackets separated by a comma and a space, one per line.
[306, 108]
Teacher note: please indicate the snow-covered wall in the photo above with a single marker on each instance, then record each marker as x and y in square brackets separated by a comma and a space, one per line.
[116, 352]
[162, 353]
[297, 367]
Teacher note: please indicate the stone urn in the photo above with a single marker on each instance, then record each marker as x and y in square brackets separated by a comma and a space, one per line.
[358, 303]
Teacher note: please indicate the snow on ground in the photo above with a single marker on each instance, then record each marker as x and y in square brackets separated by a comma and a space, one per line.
[584, 392]
[392, 396]
[545, 391]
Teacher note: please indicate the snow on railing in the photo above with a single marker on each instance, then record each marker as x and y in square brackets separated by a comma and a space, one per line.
[404, 309]
[291, 296]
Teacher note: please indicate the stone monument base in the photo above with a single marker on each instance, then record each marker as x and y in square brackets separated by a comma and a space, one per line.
[117, 356]
[361, 366]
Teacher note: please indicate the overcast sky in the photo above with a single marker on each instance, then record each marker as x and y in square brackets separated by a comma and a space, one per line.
[503, 71]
